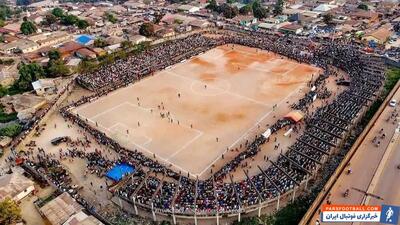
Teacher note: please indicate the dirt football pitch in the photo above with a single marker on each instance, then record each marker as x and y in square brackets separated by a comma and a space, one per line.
[189, 114]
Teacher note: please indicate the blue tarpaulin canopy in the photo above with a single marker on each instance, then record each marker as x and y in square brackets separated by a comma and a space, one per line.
[84, 39]
[119, 171]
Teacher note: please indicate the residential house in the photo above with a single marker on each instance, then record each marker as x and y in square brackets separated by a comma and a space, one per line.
[136, 39]
[291, 28]
[22, 45]
[44, 86]
[15, 185]
[266, 26]
[245, 20]
[60, 209]
[112, 30]
[82, 219]
[36, 18]
[188, 8]
[13, 27]
[69, 48]
[379, 36]
[324, 8]
[368, 16]
[166, 32]
[112, 48]
[51, 38]
[99, 51]
[46, 4]
[85, 53]
[200, 24]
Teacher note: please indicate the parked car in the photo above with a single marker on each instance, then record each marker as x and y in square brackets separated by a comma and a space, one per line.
[393, 103]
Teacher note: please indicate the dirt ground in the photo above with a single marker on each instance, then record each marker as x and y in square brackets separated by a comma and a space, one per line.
[190, 114]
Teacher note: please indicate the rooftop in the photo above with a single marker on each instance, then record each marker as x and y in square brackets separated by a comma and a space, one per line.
[60, 209]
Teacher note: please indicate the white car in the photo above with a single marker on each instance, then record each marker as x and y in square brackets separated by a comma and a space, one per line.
[393, 103]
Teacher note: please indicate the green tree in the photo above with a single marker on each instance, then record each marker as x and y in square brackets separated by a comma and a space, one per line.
[10, 213]
[5, 12]
[228, 11]
[87, 66]
[212, 5]
[2, 23]
[56, 68]
[100, 43]
[147, 29]
[327, 18]
[29, 73]
[54, 54]
[126, 44]
[278, 8]
[259, 11]
[27, 27]
[69, 20]
[58, 12]
[82, 24]
[11, 130]
[362, 6]
[49, 19]
[158, 17]
[246, 10]
[110, 17]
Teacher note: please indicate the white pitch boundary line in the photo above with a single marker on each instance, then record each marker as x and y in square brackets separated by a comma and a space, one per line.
[226, 91]
[142, 146]
[186, 145]
[144, 149]
[247, 132]
[148, 139]
[98, 99]
[108, 110]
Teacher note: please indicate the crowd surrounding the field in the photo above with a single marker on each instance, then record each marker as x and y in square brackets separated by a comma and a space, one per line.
[170, 191]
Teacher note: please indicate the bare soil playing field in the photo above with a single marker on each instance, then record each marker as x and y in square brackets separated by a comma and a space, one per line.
[210, 103]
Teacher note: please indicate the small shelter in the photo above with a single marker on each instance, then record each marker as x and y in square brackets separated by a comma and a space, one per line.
[296, 116]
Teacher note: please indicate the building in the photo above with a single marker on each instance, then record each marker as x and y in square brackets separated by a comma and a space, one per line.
[21, 102]
[82, 218]
[68, 48]
[379, 36]
[266, 26]
[4, 142]
[137, 39]
[46, 4]
[22, 45]
[59, 210]
[112, 48]
[188, 8]
[85, 53]
[14, 27]
[15, 185]
[245, 20]
[165, 33]
[291, 28]
[324, 8]
[51, 38]
[43, 86]
[200, 24]
[369, 16]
